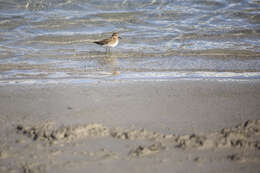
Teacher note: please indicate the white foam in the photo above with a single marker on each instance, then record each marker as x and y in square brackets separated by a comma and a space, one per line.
[132, 76]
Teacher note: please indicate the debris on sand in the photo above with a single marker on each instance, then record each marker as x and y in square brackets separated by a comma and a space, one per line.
[147, 150]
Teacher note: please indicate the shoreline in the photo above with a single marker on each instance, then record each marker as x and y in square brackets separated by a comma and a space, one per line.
[61, 77]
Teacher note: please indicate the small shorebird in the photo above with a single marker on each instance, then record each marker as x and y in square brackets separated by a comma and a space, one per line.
[109, 42]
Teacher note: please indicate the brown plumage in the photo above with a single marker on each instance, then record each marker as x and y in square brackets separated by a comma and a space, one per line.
[109, 42]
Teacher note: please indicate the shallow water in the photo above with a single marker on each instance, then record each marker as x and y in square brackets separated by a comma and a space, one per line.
[52, 39]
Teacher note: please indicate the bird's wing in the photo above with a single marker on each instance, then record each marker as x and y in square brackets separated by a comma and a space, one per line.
[103, 42]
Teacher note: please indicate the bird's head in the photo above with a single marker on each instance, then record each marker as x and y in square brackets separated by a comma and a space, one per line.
[115, 35]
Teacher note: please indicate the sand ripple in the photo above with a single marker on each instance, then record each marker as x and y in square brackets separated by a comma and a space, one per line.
[245, 135]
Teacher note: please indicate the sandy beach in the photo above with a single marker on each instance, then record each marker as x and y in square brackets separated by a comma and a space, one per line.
[178, 92]
[127, 126]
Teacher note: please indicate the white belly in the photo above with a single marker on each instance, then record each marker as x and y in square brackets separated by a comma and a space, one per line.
[114, 44]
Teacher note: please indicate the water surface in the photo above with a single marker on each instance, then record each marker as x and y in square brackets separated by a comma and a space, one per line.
[52, 39]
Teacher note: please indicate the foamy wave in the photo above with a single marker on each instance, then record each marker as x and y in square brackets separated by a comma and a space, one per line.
[131, 76]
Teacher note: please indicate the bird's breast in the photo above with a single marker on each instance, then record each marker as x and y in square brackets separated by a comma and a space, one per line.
[114, 43]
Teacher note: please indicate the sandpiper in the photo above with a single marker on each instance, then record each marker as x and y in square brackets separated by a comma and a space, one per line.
[109, 42]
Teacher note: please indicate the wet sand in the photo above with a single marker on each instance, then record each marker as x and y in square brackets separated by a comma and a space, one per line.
[127, 126]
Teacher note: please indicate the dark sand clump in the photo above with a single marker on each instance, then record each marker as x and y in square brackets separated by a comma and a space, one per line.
[146, 150]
